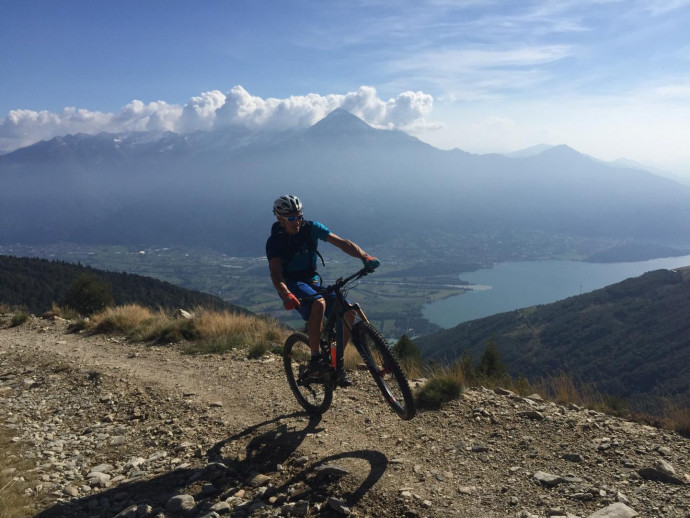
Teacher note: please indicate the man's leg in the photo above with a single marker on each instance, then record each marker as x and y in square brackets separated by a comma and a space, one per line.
[314, 324]
[342, 379]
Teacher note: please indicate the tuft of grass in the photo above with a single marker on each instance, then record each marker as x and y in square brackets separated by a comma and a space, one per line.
[677, 418]
[124, 320]
[437, 391]
[19, 318]
[257, 350]
[62, 312]
[81, 324]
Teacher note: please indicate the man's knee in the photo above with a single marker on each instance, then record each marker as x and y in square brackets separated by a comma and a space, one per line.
[318, 307]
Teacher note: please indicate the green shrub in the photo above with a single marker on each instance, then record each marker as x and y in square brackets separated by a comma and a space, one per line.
[490, 364]
[169, 334]
[615, 405]
[257, 350]
[78, 325]
[88, 295]
[406, 350]
[19, 318]
[437, 391]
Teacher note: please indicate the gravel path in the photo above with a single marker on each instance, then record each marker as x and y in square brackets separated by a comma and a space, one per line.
[121, 429]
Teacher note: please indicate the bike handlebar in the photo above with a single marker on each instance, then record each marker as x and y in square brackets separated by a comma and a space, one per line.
[361, 273]
[340, 283]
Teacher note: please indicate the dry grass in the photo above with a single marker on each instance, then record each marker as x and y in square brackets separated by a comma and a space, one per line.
[62, 312]
[19, 318]
[206, 332]
[122, 319]
[351, 358]
[677, 418]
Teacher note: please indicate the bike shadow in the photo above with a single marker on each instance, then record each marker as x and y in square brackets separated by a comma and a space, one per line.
[230, 468]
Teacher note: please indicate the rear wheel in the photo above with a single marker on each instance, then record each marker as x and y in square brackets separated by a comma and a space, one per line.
[314, 394]
[385, 369]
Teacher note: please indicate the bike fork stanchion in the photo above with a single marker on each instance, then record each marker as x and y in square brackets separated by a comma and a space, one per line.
[338, 350]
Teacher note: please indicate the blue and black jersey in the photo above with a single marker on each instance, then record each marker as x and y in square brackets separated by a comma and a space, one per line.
[297, 252]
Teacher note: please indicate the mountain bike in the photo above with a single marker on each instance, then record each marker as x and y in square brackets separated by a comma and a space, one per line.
[315, 392]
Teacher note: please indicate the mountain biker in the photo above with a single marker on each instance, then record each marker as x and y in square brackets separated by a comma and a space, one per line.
[291, 251]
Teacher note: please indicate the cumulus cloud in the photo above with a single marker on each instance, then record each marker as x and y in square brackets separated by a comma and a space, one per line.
[244, 109]
[213, 110]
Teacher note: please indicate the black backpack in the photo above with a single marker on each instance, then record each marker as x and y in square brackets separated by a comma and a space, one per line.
[295, 246]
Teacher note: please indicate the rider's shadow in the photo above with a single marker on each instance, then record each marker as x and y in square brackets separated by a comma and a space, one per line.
[262, 454]
[265, 451]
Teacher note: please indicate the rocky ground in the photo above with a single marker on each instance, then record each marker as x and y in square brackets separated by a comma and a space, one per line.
[127, 430]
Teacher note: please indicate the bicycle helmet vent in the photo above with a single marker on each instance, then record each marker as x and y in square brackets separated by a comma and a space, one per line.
[287, 204]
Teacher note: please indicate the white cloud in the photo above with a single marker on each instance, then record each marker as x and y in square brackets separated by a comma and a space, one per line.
[659, 7]
[200, 112]
[214, 109]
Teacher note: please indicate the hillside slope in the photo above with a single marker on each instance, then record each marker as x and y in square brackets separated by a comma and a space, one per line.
[111, 427]
[630, 339]
[37, 283]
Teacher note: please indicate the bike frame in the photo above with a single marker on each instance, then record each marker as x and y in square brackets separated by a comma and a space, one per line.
[315, 392]
[336, 319]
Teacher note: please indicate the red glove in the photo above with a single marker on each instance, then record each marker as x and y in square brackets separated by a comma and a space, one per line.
[290, 302]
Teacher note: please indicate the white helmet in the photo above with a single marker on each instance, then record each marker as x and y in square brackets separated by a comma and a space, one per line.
[287, 204]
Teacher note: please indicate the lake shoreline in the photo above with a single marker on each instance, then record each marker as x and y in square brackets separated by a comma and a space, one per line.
[520, 284]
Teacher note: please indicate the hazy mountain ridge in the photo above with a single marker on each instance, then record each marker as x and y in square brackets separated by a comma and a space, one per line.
[215, 189]
[630, 339]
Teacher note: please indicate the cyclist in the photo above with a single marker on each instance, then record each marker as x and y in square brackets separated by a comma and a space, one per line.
[292, 251]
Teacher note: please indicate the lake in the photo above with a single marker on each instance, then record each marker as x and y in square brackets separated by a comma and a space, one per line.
[514, 285]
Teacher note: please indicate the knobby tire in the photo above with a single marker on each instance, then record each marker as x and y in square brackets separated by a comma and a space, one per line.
[314, 396]
[385, 369]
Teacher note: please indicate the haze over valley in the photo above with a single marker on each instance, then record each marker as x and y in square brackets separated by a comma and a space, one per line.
[200, 206]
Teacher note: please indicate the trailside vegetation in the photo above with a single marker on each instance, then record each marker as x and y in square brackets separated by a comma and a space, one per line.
[204, 331]
[447, 382]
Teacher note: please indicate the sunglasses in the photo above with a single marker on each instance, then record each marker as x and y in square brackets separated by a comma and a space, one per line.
[299, 217]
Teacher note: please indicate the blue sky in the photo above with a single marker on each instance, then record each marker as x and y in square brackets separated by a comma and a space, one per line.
[610, 78]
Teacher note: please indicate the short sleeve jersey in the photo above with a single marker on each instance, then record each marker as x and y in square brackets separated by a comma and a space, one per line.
[297, 252]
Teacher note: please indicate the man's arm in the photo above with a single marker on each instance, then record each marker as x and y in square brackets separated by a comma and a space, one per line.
[347, 246]
[276, 269]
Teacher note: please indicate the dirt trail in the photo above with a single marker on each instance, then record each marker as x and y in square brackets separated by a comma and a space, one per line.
[476, 457]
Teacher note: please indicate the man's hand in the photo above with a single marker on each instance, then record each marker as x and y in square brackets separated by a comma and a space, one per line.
[371, 262]
[290, 302]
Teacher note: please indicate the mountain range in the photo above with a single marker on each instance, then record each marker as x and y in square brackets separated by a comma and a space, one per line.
[215, 189]
[630, 339]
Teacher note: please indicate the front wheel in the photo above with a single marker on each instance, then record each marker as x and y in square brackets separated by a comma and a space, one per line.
[314, 394]
[385, 369]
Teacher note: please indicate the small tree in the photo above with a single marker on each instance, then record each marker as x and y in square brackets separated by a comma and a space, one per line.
[88, 295]
[406, 350]
[490, 363]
